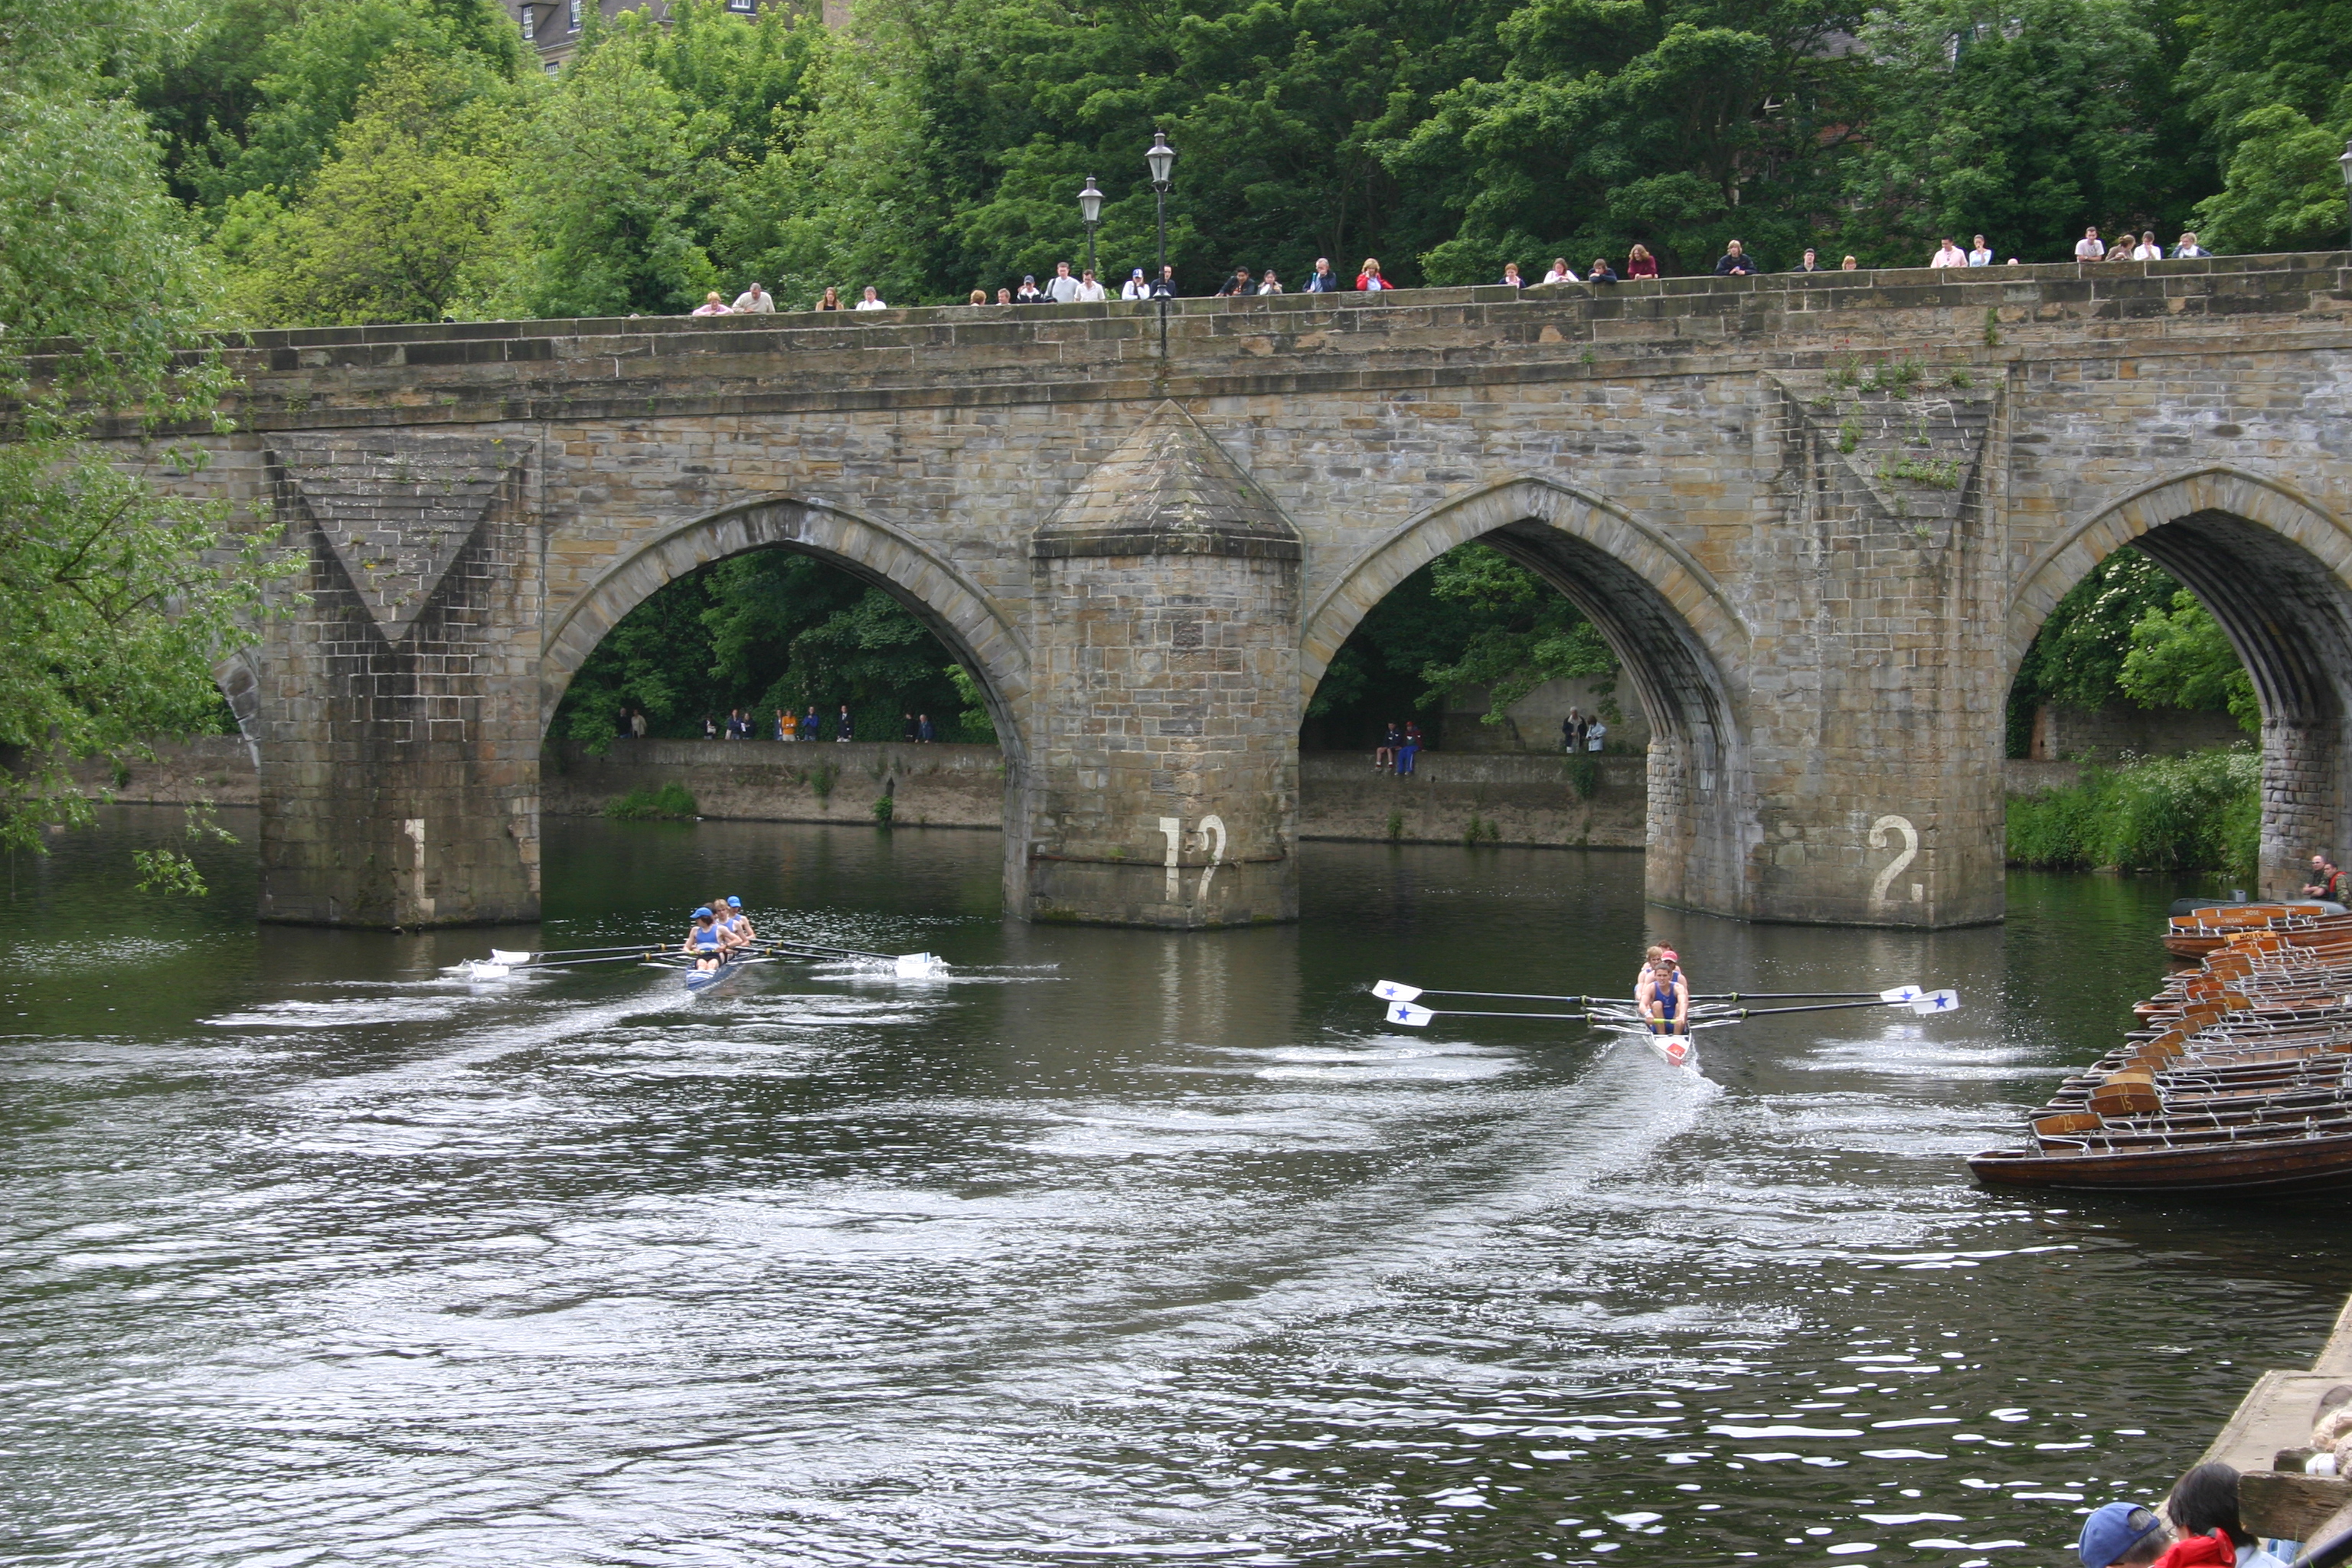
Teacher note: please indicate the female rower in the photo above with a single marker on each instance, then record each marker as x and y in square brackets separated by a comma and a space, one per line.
[738, 923]
[1664, 999]
[707, 944]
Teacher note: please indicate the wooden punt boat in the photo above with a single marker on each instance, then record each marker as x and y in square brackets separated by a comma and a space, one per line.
[2237, 1084]
[2205, 929]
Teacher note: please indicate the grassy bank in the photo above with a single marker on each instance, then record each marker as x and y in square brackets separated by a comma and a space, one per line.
[2197, 813]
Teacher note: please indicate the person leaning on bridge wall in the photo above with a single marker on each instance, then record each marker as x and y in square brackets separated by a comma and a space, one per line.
[754, 301]
[1640, 263]
[1734, 261]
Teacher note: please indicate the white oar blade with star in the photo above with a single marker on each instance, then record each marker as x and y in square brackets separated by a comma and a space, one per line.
[1902, 993]
[1936, 1002]
[1395, 990]
[1406, 1013]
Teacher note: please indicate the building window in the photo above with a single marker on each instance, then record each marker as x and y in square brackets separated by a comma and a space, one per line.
[553, 67]
[575, 15]
[530, 23]
[742, 5]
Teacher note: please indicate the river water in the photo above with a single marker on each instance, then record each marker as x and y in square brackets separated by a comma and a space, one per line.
[1111, 1244]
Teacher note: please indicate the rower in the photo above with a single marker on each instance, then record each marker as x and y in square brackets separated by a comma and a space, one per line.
[1664, 999]
[707, 944]
[737, 922]
[1649, 962]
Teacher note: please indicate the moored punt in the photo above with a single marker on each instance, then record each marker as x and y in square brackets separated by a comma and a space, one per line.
[2206, 930]
[2238, 1084]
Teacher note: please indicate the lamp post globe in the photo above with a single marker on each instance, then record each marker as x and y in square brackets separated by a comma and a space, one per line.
[1160, 159]
[1090, 201]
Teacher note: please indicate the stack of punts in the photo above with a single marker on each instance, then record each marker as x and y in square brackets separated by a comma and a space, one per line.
[2205, 928]
[2238, 1082]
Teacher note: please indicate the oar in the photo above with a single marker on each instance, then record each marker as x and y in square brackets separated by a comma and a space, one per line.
[1930, 1002]
[501, 956]
[1418, 1017]
[1923, 1003]
[496, 970]
[908, 966]
[1398, 991]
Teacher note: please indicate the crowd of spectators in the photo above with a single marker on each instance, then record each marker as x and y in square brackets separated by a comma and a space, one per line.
[1084, 288]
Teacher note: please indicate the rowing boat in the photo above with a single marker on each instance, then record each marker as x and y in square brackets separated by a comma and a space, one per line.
[1674, 1050]
[704, 979]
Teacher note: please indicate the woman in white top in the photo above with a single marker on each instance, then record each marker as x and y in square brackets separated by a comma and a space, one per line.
[712, 305]
[1511, 278]
[1269, 284]
[1596, 737]
[2148, 249]
[2188, 250]
[1136, 287]
[1981, 254]
[1560, 271]
[872, 300]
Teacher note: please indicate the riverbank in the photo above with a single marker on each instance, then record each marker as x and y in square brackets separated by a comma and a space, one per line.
[1526, 798]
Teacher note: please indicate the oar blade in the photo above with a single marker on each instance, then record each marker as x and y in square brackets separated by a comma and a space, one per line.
[476, 970]
[501, 955]
[1936, 1002]
[1407, 1013]
[920, 966]
[1395, 990]
[1902, 993]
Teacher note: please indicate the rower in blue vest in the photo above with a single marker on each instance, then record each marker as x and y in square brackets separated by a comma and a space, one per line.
[1664, 996]
[707, 944]
[738, 923]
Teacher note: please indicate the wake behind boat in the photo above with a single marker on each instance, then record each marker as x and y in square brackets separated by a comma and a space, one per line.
[720, 944]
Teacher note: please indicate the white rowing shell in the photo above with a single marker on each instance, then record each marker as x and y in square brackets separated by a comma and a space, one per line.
[1674, 1050]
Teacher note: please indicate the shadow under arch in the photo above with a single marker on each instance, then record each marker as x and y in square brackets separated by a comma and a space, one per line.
[1671, 626]
[950, 605]
[2270, 563]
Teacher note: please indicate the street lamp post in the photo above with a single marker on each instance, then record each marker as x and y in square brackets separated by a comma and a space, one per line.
[1160, 159]
[2345, 164]
[1090, 208]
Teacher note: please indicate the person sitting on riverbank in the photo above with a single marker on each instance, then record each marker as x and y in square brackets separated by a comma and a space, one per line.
[2326, 881]
[1384, 754]
[2122, 1535]
[2203, 1505]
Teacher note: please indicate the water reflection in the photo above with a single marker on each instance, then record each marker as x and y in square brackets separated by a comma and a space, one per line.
[1113, 1243]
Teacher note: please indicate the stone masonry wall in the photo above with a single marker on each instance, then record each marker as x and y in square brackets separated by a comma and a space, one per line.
[1829, 510]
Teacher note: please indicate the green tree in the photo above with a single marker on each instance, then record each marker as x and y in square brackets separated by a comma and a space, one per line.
[2180, 658]
[312, 73]
[2023, 121]
[601, 197]
[403, 222]
[116, 595]
[2284, 189]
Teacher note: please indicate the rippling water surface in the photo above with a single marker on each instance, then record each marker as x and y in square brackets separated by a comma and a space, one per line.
[1113, 1245]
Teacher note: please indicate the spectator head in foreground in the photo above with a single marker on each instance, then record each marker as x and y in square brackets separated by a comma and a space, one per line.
[2122, 1535]
[1511, 275]
[1812, 263]
[1849, 265]
[1004, 296]
[979, 296]
[2205, 1501]
[2188, 246]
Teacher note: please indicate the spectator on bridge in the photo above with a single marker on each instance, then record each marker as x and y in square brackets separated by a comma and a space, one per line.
[2121, 250]
[1089, 291]
[1948, 255]
[1571, 730]
[1323, 280]
[809, 730]
[1384, 754]
[712, 305]
[1596, 734]
[1004, 296]
[1164, 286]
[1062, 288]
[1561, 272]
[2325, 882]
[925, 731]
[2148, 249]
[1029, 293]
[2188, 250]
[1137, 286]
[2090, 247]
[1601, 272]
[907, 727]
[2122, 1535]
[1979, 253]
[844, 727]
[1510, 277]
[1849, 265]
[830, 300]
[873, 300]
[1269, 284]
[1237, 285]
[979, 296]
[787, 726]
[1734, 261]
[754, 301]
[1640, 263]
[1369, 281]
[710, 727]
[1812, 262]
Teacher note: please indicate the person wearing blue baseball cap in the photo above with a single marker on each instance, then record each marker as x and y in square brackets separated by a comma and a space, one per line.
[738, 923]
[2122, 1535]
[705, 943]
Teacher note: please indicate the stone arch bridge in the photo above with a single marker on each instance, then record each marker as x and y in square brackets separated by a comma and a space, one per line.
[1819, 517]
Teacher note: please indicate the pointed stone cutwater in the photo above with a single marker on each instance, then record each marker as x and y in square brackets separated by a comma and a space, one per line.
[394, 513]
[1170, 489]
[1164, 787]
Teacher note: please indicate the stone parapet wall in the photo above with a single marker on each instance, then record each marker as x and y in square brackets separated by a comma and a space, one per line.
[1518, 798]
[775, 780]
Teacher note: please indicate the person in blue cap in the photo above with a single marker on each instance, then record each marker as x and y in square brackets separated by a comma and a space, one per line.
[738, 923]
[707, 944]
[2122, 1535]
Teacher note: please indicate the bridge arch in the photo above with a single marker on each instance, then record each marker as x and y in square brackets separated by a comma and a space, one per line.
[1671, 625]
[2274, 568]
[948, 603]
